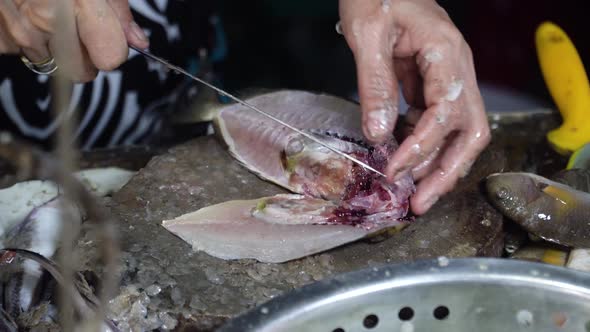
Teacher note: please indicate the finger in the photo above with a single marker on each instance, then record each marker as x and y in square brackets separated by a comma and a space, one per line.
[40, 13]
[101, 34]
[455, 163]
[21, 34]
[377, 83]
[7, 45]
[428, 165]
[134, 34]
[38, 54]
[428, 135]
[11, 18]
[70, 55]
[442, 62]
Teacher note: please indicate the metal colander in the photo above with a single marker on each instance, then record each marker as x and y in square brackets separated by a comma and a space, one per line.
[469, 294]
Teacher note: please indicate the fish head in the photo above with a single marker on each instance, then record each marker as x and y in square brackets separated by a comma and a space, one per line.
[317, 171]
[529, 198]
[512, 192]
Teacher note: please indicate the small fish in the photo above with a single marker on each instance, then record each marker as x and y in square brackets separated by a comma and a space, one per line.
[334, 201]
[542, 253]
[24, 281]
[31, 219]
[551, 210]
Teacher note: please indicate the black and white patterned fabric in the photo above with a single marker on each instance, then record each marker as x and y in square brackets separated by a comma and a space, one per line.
[124, 106]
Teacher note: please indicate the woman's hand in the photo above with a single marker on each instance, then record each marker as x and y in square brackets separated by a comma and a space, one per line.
[97, 33]
[415, 42]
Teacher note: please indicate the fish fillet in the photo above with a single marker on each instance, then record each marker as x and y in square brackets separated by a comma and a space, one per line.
[230, 231]
[335, 201]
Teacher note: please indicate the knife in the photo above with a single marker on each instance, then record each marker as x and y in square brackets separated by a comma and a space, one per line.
[254, 108]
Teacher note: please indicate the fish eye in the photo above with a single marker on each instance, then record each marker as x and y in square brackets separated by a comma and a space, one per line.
[503, 193]
[294, 146]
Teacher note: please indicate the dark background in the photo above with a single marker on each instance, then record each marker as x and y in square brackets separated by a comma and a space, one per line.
[293, 43]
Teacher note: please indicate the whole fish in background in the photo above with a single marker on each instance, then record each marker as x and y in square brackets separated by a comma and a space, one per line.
[551, 210]
[31, 218]
[335, 201]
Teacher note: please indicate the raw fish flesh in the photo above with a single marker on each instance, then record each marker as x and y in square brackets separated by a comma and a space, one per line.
[335, 201]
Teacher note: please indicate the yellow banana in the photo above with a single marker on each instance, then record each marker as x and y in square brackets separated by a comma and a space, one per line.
[567, 81]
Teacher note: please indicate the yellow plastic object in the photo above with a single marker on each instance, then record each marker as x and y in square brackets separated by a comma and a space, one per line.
[554, 257]
[567, 81]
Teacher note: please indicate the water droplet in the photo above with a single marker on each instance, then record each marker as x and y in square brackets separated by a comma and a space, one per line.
[443, 261]
[524, 317]
[416, 148]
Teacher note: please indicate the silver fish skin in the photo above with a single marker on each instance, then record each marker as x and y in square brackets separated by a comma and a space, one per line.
[39, 232]
[548, 209]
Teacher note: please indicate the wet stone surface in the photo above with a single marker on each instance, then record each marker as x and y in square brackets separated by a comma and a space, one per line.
[166, 285]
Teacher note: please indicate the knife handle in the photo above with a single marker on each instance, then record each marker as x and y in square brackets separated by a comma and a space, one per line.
[567, 82]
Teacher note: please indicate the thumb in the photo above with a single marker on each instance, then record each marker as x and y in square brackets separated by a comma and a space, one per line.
[378, 90]
[133, 32]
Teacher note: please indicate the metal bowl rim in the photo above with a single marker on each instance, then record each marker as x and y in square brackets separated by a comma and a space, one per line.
[420, 272]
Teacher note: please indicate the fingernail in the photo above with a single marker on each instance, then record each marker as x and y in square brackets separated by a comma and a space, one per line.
[137, 31]
[379, 123]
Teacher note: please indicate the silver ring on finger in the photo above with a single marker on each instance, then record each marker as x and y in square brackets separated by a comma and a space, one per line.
[45, 67]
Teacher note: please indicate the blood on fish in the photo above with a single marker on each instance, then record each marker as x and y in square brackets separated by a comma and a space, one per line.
[344, 216]
[347, 139]
[364, 184]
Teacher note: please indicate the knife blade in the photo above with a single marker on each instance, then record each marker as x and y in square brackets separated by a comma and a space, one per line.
[254, 108]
